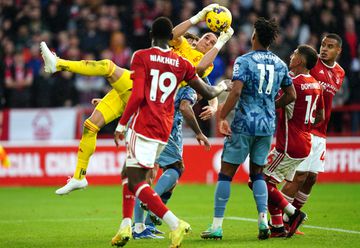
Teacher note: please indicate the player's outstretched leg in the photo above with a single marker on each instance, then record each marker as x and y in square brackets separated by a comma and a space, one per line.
[53, 64]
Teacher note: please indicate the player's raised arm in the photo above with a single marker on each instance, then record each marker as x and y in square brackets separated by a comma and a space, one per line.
[206, 91]
[210, 56]
[183, 27]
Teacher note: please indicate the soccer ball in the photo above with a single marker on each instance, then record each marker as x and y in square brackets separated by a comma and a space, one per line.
[219, 19]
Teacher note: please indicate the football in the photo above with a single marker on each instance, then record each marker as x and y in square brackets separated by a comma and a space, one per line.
[219, 19]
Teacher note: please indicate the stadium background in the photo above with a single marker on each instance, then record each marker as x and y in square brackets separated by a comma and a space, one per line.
[41, 121]
[41, 115]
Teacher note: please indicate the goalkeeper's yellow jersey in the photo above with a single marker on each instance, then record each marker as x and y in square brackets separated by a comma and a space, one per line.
[185, 50]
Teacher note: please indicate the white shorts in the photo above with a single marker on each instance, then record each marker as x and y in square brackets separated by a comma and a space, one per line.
[280, 166]
[316, 161]
[141, 152]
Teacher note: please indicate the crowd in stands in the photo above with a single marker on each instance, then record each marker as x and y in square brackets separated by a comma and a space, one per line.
[98, 29]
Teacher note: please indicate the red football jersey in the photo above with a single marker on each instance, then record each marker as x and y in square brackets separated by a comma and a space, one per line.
[295, 122]
[331, 79]
[156, 75]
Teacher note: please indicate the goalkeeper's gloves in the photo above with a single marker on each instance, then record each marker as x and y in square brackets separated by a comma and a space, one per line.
[202, 13]
[223, 38]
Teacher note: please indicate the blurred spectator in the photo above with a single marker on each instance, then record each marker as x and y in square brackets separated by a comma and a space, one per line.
[18, 82]
[120, 53]
[91, 39]
[63, 91]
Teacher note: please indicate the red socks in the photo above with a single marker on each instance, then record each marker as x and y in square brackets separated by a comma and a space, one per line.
[275, 196]
[276, 215]
[128, 201]
[152, 200]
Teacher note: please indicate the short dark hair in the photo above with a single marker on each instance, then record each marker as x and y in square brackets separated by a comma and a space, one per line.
[266, 31]
[335, 37]
[310, 55]
[162, 28]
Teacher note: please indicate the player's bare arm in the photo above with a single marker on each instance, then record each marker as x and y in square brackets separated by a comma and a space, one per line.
[210, 110]
[210, 56]
[229, 104]
[206, 91]
[189, 116]
[286, 98]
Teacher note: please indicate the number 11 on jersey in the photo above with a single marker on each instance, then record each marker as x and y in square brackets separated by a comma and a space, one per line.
[263, 68]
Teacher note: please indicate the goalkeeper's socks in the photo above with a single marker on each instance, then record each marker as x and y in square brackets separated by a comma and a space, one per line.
[167, 180]
[86, 148]
[222, 194]
[300, 199]
[260, 192]
[138, 212]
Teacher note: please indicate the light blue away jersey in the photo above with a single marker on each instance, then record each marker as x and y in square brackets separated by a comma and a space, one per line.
[262, 73]
[174, 148]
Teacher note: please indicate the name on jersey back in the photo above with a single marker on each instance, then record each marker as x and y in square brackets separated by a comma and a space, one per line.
[164, 60]
[262, 56]
[310, 86]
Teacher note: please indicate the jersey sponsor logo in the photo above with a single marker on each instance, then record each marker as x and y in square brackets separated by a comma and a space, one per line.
[329, 87]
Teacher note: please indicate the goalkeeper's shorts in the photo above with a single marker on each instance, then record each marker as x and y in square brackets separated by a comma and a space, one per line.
[112, 105]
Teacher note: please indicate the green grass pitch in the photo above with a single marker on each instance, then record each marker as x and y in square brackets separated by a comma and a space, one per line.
[36, 217]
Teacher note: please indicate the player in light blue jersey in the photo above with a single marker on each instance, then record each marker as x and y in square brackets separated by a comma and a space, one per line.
[170, 160]
[257, 78]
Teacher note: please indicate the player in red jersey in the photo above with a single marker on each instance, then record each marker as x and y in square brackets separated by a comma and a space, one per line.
[330, 75]
[293, 128]
[157, 72]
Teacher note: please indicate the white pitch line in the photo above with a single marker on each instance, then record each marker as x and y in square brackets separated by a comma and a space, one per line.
[109, 219]
[306, 226]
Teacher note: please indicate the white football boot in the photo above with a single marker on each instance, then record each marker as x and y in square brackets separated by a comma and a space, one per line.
[72, 184]
[49, 58]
